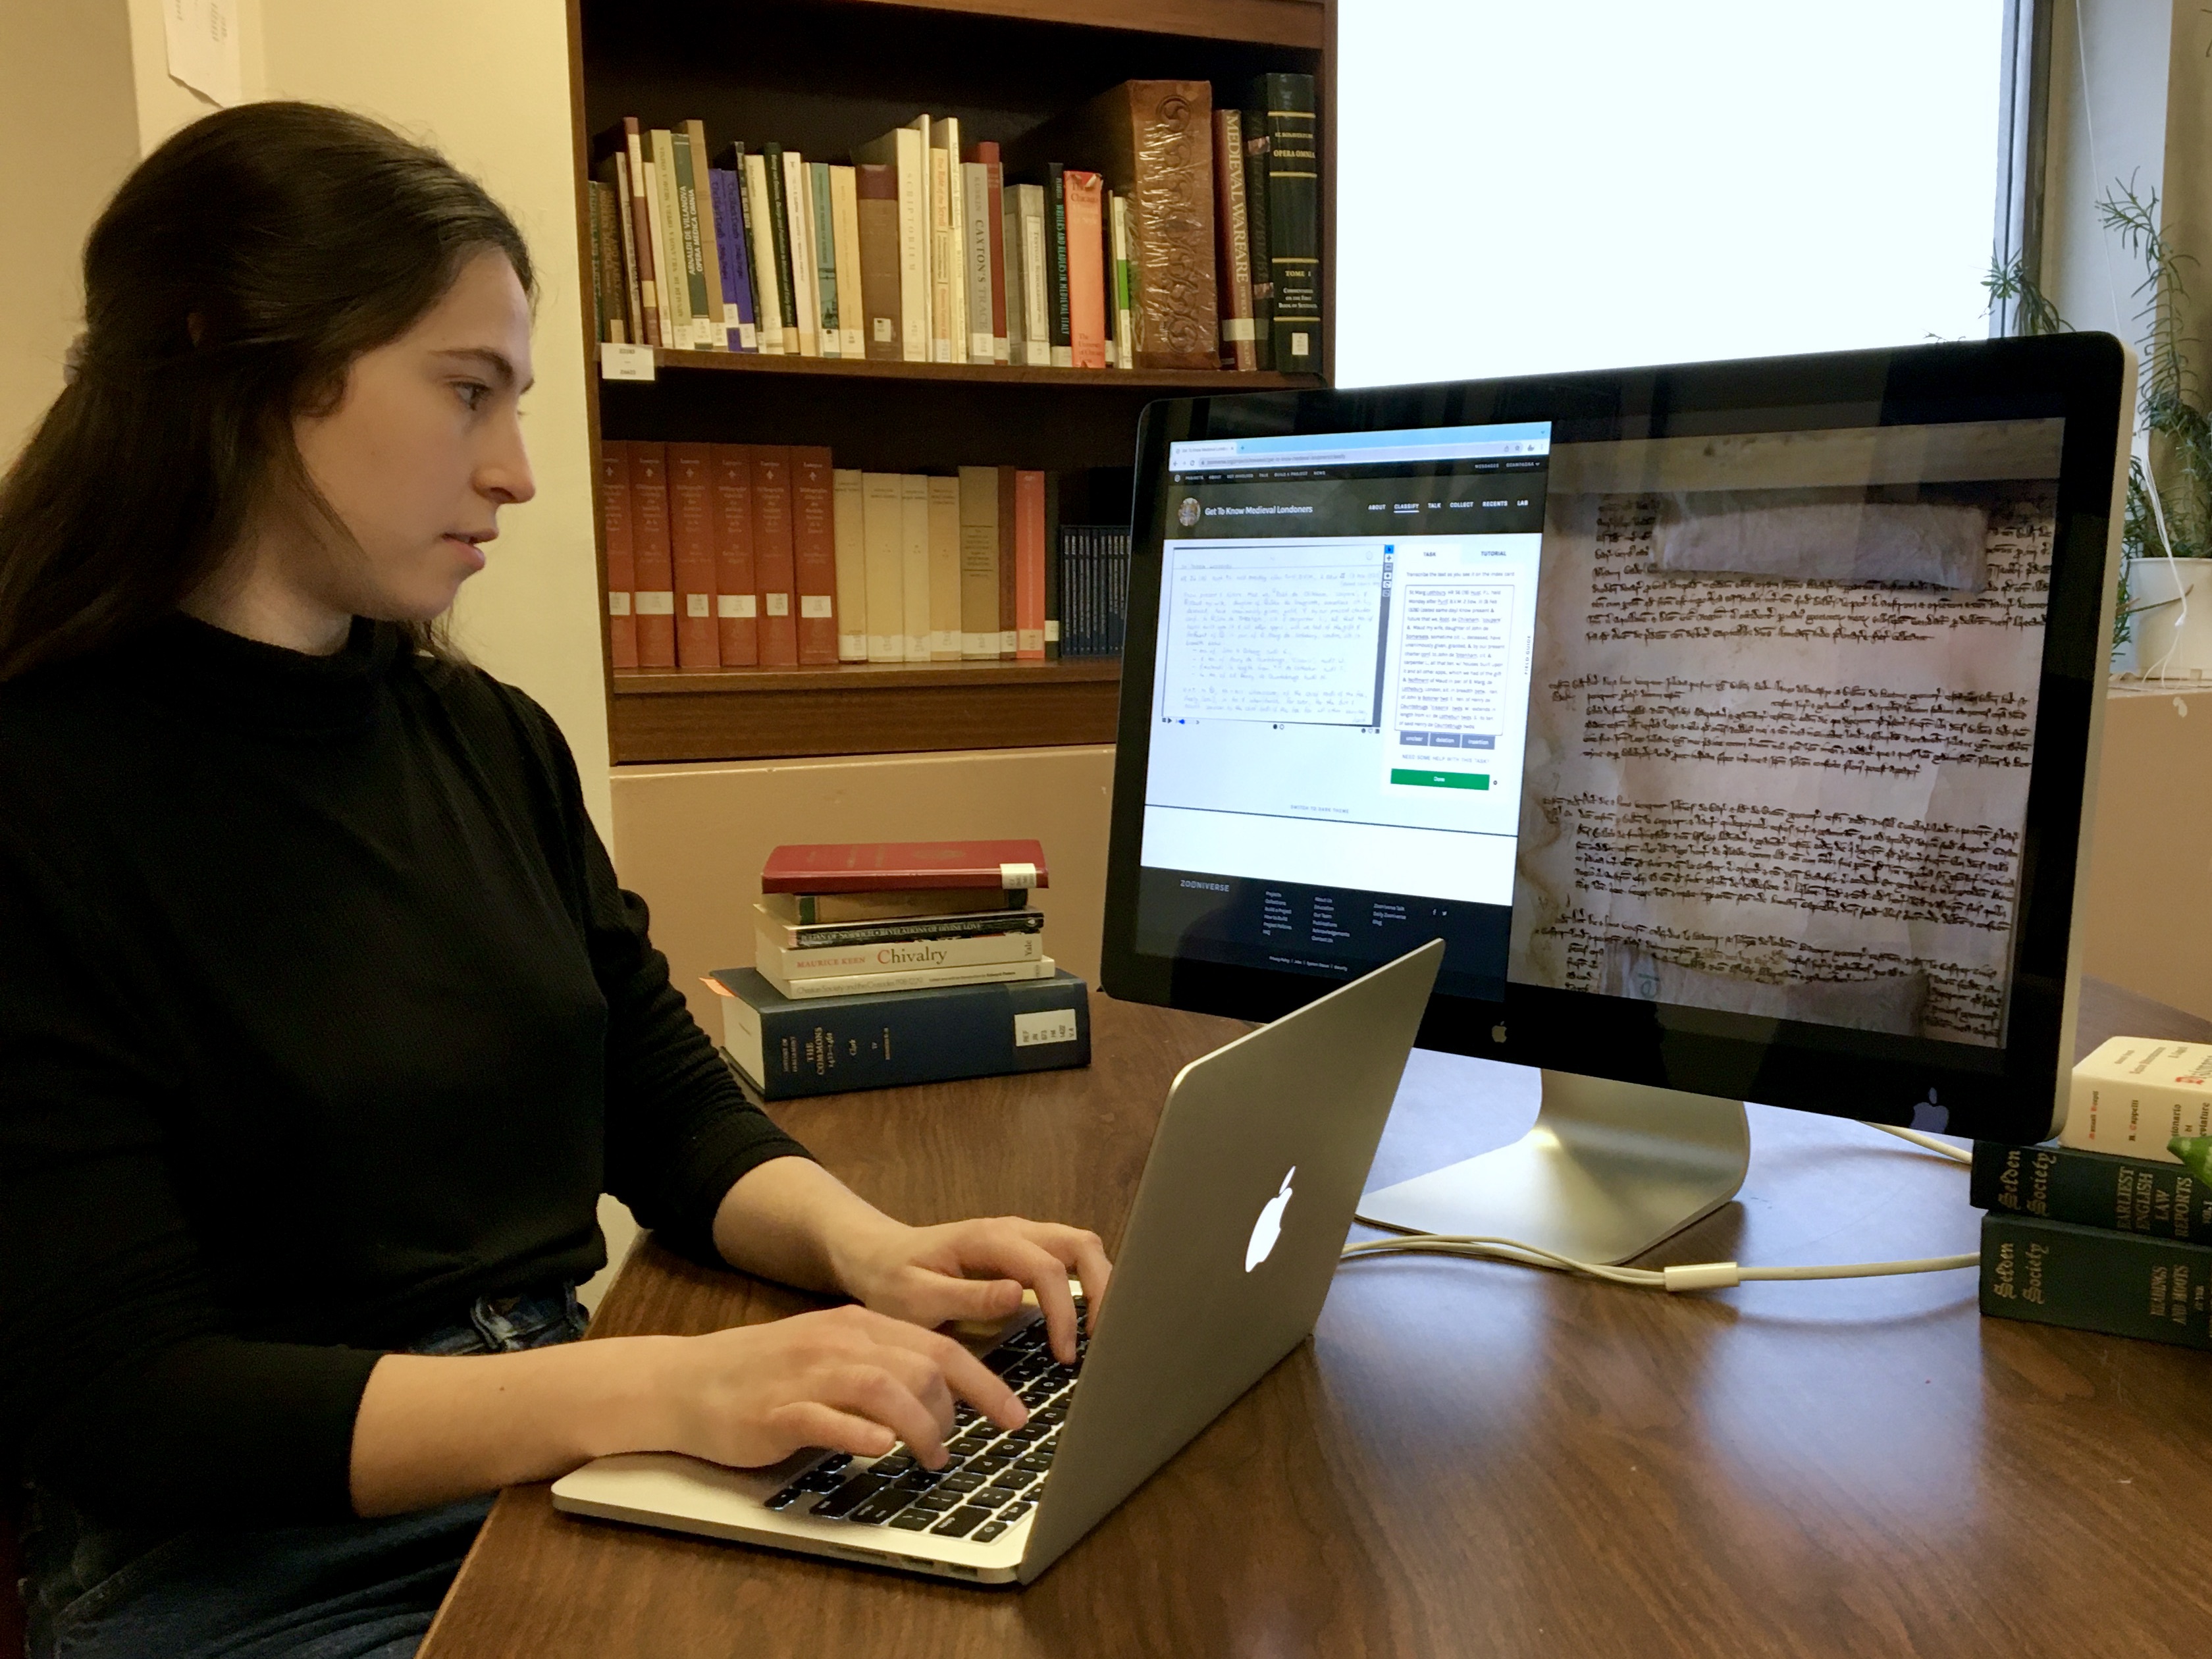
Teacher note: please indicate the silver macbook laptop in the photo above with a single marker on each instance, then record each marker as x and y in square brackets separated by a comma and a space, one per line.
[1244, 1205]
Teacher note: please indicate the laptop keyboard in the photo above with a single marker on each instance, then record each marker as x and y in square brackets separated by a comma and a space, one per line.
[994, 1479]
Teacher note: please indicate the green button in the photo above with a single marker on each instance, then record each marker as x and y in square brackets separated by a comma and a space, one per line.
[1440, 780]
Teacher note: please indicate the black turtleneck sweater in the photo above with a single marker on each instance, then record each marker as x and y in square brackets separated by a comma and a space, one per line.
[321, 1014]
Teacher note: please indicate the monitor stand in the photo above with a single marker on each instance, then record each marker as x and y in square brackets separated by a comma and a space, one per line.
[1608, 1170]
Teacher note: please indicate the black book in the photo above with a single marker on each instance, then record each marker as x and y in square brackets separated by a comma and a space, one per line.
[2092, 1189]
[779, 232]
[1055, 230]
[1293, 219]
[1257, 148]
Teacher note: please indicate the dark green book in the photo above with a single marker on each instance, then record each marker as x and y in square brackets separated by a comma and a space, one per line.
[2094, 1279]
[1257, 148]
[2092, 1189]
[779, 232]
[1056, 234]
[1293, 219]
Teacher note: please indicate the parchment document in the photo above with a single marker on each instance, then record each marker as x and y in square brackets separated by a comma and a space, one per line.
[1798, 799]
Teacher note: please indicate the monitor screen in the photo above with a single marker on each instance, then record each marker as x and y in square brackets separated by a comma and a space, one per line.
[1706, 742]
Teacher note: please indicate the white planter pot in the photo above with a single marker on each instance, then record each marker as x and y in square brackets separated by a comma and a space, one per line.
[2170, 640]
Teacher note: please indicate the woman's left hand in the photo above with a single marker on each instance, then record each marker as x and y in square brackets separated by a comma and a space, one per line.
[976, 1270]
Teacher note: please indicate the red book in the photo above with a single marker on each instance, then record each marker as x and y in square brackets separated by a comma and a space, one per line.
[1086, 270]
[621, 555]
[876, 867]
[814, 554]
[773, 555]
[737, 587]
[1028, 566]
[655, 603]
[692, 541]
[995, 172]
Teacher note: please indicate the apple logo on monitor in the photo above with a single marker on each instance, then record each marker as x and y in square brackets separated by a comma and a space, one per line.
[1269, 1227]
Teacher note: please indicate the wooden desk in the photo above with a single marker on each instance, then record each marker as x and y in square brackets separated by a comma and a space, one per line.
[1472, 1458]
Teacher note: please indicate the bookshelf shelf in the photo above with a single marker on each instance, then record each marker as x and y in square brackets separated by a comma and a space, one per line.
[1300, 24]
[1182, 380]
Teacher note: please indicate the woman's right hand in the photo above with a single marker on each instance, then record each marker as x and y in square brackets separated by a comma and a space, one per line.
[844, 1379]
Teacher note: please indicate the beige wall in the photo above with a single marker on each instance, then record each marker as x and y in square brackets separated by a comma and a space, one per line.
[2148, 919]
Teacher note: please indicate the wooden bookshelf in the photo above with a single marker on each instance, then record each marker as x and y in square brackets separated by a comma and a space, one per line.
[821, 76]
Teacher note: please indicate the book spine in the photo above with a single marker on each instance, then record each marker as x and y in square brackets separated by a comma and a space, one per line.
[1083, 197]
[674, 333]
[626, 223]
[2134, 1094]
[885, 956]
[773, 555]
[1017, 335]
[2092, 1189]
[691, 546]
[595, 197]
[760, 241]
[914, 564]
[655, 601]
[881, 541]
[977, 242]
[669, 247]
[995, 216]
[944, 262]
[814, 555]
[1255, 217]
[845, 508]
[617, 512]
[1233, 232]
[1294, 220]
[822, 228]
[1009, 564]
[1028, 566]
[736, 577]
[1048, 556]
[699, 269]
[2090, 1279]
[736, 281]
[844, 233]
[1055, 193]
[898, 1040]
[1037, 275]
[721, 320]
[876, 187]
[1125, 316]
[914, 979]
[821, 936]
[806, 286]
[945, 615]
[640, 216]
[914, 245]
[779, 231]
[979, 562]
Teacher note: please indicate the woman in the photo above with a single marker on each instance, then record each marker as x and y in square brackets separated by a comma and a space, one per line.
[323, 1022]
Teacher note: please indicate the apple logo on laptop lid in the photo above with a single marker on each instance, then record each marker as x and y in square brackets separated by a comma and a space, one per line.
[1269, 1227]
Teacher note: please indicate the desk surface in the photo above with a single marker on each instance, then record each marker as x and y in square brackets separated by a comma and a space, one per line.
[1472, 1458]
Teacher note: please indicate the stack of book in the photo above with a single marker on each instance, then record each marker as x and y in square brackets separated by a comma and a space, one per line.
[1148, 230]
[2108, 1229]
[736, 556]
[890, 962]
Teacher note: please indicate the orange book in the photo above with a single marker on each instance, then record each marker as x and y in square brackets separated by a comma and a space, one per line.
[691, 543]
[772, 555]
[1028, 566]
[1086, 271]
[655, 599]
[621, 555]
[737, 587]
[814, 554]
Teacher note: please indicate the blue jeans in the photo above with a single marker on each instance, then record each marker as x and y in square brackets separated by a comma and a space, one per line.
[353, 1589]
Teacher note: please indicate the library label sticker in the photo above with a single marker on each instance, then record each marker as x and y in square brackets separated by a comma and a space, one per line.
[625, 362]
[1055, 1025]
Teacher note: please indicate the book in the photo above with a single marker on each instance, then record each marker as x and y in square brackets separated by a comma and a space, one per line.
[881, 542]
[1256, 151]
[607, 320]
[1153, 142]
[617, 167]
[736, 280]
[1010, 214]
[1048, 545]
[814, 555]
[876, 190]
[977, 242]
[777, 180]
[805, 282]
[706, 323]
[1293, 219]
[693, 156]
[1125, 349]
[1086, 269]
[788, 1050]
[2134, 1094]
[1232, 232]
[822, 234]
[2094, 1279]
[1056, 255]
[901, 149]
[736, 577]
[1028, 566]
[911, 979]
[945, 615]
[882, 958]
[672, 280]
[770, 921]
[979, 562]
[948, 255]
[1036, 233]
[2091, 1189]
[615, 513]
[654, 603]
[773, 555]
[760, 238]
[900, 905]
[844, 233]
[641, 219]
[914, 564]
[669, 245]
[852, 566]
[691, 548]
[882, 866]
[986, 156]
[1009, 619]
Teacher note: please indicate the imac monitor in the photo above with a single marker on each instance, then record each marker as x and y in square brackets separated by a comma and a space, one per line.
[1733, 725]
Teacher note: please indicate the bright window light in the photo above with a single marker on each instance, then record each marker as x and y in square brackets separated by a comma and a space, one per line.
[1529, 187]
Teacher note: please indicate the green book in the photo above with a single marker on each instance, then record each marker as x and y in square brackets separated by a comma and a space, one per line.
[779, 230]
[2094, 1279]
[2092, 1189]
[825, 254]
[695, 257]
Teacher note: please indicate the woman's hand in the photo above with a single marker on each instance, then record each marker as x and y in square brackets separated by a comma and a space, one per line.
[975, 1270]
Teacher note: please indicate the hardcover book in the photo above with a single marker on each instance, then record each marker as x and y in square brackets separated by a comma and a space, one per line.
[773, 555]
[851, 565]
[913, 563]
[1293, 219]
[772, 922]
[787, 965]
[1233, 231]
[719, 331]
[882, 542]
[979, 562]
[2093, 1279]
[911, 979]
[2091, 1189]
[901, 149]
[944, 617]
[654, 602]
[877, 190]
[881, 865]
[814, 555]
[737, 579]
[1086, 269]
[691, 543]
[2134, 1094]
[621, 558]
[906, 905]
[1055, 199]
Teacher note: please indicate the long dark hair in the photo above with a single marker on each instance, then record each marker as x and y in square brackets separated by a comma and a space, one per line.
[237, 274]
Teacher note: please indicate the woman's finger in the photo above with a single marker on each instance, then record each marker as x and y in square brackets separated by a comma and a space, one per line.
[932, 1297]
[870, 1390]
[1091, 1265]
[965, 1375]
[811, 1423]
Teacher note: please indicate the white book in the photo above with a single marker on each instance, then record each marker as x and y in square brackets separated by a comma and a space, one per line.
[845, 221]
[1036, 305]
[761, 245]
[676, 322]
[918, 978]
[944, 261]
[881, 544]
[901, 149]
[2134, 1094]
[945, 135]
[779, 963]
[670, 339]
[945, 634]
[1010, 214]
[799, 219]
[849, 532]
[976, 190]
[1124, 315]
[913, 563]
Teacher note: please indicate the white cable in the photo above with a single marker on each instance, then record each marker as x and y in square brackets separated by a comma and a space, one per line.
[1692, 1276]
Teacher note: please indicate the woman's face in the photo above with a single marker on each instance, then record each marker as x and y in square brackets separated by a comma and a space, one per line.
[423, 448]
